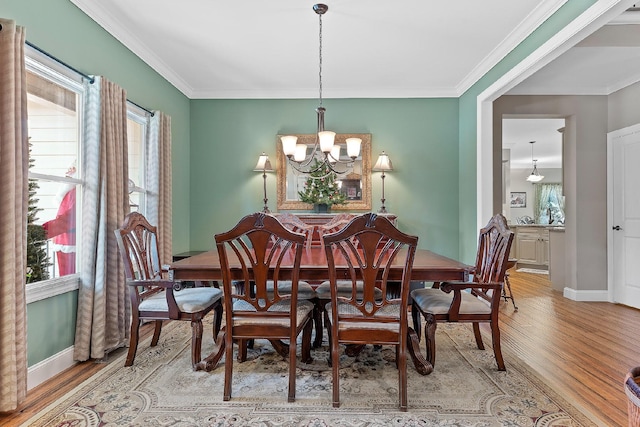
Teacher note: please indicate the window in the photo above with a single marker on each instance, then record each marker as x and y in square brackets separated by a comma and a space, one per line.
[137, 135]
[549, 204]
[54, 105]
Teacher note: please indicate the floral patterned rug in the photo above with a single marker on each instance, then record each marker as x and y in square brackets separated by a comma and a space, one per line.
[161, 389]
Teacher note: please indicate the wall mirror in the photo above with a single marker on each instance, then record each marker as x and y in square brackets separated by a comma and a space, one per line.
[356, 183]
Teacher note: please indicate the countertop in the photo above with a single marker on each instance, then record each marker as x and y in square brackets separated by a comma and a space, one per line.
[547, 226]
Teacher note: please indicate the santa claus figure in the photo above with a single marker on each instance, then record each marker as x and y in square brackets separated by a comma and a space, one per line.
[62, 229]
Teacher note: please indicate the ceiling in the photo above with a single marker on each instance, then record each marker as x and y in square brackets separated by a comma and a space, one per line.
[251, 49]
[371, 49]
[517, 133]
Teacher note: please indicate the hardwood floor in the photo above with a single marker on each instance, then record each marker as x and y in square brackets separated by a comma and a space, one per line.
[583, 349]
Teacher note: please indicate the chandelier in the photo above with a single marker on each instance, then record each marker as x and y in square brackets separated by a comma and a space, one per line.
[325, 154]
[535, 175]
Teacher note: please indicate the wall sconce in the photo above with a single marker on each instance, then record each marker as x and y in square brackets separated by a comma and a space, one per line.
[264, 166]
[383, 164]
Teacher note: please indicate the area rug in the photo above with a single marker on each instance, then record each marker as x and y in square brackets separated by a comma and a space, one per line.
[161, 389]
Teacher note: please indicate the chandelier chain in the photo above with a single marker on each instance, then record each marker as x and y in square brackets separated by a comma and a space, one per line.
[320, 59]
[321, 157]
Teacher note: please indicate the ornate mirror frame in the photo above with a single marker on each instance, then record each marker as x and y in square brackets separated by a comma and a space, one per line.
[363, 203]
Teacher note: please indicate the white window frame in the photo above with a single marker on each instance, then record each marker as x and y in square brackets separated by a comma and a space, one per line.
[50, 69]
[141, 117]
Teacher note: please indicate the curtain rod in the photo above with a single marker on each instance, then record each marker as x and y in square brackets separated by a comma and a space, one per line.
[86, 76]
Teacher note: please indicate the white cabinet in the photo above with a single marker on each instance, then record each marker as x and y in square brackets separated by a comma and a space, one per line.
[532, 245]
[557, 258]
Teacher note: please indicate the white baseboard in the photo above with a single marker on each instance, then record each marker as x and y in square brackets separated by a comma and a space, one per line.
[50, 367]
[592, 296]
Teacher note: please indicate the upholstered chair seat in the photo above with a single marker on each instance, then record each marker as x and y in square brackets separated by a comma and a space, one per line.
[434, 301]
[188, 300]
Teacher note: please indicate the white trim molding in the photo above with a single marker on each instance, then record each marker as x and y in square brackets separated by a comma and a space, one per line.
[50, 288]
[586, 296]
[50, 367]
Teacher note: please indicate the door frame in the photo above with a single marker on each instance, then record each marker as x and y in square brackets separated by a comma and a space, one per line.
[599, 14]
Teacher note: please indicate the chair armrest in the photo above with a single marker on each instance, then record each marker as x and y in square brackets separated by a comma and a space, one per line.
[458, 287]
[169, 286]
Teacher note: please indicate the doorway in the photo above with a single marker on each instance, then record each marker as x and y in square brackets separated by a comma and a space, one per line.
[527, 140]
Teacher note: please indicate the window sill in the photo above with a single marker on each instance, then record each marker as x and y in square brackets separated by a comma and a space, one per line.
[52, 287]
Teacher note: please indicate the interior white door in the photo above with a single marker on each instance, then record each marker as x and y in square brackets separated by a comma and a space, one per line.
[624, 215]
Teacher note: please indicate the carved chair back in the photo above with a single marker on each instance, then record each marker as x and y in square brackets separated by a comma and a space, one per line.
[372, 249]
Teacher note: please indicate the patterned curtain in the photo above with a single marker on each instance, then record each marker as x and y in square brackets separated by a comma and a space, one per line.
[103, 306]
[159, 182]
[14, 190]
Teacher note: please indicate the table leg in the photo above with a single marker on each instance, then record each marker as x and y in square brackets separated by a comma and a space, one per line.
[413, 345]
[280, 347]
[210, 362]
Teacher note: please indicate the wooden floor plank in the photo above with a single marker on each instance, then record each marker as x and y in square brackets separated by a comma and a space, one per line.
[583, 349]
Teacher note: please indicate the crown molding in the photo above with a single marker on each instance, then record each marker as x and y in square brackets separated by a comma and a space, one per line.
[106, 20]
[539, 15]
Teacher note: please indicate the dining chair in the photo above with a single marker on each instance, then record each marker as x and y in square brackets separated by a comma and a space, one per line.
[157, 298]
[373, 252]
[476, 301]
[256, 257]
[334, 224]
[294, 223]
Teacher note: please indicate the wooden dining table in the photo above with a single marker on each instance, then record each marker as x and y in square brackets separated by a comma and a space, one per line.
[428, 266]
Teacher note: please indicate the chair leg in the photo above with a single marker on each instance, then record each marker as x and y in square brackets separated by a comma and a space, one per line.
[156, 333]
[335, 365]
[397, 356]
[228, 365]
[417, 321]
[292, 369]
[430, 338]
[478, 335]
[306, 343]
[508, 288]
[242, 350]
[217, 321]
[497, 351]
[327, 323]
[401, 361]
[196, 342]
[317, 320]
[133, 341]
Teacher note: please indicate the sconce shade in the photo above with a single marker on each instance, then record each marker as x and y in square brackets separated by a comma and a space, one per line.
[264, 165]
[289, 144]
[300, 153]
[383, 163]
[353, 147]
[327, 138]
[335, 154]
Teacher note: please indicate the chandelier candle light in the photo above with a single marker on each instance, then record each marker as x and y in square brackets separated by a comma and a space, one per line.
[535, 175]
[383, 164]
[324, 150]
[264, 166]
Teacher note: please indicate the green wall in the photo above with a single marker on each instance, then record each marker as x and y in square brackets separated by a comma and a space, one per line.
[61, 29]
[51, 326]
[468, 119]
[420, 136]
